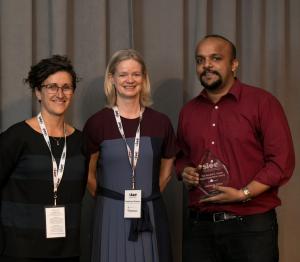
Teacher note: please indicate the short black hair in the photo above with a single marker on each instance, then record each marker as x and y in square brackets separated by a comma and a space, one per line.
[49, 66]
[232, 46]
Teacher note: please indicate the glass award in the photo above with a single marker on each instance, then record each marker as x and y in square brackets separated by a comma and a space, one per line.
[211, 172]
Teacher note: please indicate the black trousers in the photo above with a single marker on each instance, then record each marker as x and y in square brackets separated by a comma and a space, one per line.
[243, 239]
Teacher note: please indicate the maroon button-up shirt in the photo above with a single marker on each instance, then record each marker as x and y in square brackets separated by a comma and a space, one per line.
[248, 131]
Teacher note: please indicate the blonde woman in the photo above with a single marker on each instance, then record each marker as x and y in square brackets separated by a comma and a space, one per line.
[132, 148]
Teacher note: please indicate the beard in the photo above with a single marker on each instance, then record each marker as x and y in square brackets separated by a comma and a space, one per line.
[213, 85]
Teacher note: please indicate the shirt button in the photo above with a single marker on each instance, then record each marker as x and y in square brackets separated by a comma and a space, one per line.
[216, 107]
[213, 124]
[212, 142]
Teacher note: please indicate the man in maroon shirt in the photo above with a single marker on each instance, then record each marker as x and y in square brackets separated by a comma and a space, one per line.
[245, 132]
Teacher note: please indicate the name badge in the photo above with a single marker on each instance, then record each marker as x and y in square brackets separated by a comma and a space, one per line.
[132, 203]
[55, 222]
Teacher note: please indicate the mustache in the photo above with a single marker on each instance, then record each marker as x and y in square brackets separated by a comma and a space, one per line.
[211, 72]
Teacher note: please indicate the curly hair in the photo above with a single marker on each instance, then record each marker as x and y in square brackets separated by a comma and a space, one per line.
[49, 66]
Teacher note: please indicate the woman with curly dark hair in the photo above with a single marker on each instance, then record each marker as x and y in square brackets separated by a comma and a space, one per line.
[42, 173]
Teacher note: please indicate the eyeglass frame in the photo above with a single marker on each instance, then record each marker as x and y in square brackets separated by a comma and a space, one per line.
[70, 89]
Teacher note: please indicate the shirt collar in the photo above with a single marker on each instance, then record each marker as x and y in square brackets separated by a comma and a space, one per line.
[235, 91]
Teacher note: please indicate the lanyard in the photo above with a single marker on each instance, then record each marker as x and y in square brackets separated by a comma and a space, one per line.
[132, 158]
[56, 172]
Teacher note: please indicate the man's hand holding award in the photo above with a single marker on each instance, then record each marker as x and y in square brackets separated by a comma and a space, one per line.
[212, 172]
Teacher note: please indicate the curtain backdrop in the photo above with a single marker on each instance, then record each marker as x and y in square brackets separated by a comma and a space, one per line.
[266, 33]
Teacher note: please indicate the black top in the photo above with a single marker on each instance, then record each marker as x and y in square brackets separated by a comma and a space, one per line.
[26, 187]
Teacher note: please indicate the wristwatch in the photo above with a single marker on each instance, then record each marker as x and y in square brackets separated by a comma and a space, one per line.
[246, 193]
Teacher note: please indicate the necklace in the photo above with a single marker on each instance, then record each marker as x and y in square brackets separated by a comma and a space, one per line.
[57, 140]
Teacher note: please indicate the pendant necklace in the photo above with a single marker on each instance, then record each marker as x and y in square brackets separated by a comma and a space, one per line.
[57, 140]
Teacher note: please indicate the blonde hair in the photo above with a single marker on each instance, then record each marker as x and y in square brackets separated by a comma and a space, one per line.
[109, 89]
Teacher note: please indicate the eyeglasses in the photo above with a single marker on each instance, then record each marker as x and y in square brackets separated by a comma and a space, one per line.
[53, 88]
